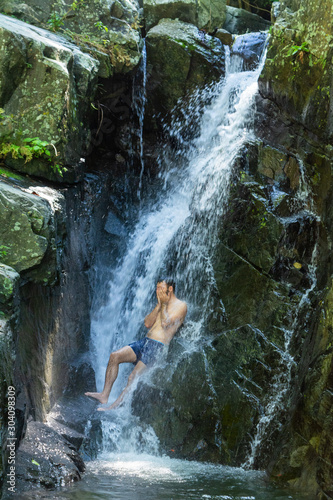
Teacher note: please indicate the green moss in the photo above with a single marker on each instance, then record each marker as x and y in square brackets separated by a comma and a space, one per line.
[6, 172]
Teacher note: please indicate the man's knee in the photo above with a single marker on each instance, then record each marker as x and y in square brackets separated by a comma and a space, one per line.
[114, 358]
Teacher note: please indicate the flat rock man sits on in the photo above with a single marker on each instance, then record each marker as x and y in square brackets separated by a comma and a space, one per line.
[163, 322]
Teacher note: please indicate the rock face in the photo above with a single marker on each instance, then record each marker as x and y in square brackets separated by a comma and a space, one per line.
[211, 396]
[64, 77]
[35, 459]
[296, 75]
[108, 28]
[28, 229]
[239, 21]
[44, 335]
[180, 59]
[295, 85]
[203, 14]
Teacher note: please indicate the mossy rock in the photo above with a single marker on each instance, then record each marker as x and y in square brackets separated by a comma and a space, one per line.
[203, 14]
[48, 98]
[296, 76]
[180, 59]
[249, 297]
[28, 231]
[9, 279]
[249, 219]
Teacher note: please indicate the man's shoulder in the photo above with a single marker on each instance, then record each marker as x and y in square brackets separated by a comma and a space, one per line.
[181, 304]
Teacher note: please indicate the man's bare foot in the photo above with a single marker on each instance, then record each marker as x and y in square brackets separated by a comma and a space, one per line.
[112, 407]
[97, 395]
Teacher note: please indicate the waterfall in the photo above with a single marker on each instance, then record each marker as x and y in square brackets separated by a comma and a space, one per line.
[176, 234]
[139, 104]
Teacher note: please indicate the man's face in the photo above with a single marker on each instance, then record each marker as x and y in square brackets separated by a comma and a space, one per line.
[162, 287]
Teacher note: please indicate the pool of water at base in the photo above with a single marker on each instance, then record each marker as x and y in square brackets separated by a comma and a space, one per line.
[145, 477]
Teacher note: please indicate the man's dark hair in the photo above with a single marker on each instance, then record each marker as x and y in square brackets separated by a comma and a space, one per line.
[169, 281]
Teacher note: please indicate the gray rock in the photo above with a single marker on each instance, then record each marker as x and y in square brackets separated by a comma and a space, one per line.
[203, 13]
[48, 96]
[90, 25]
[8, 283]
[155, 10]
[44, 460]
[28, 228]
[225, 37]
[249, 47]
[180, 59]
[239, 21]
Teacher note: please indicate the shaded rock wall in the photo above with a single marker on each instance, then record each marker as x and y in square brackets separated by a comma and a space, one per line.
[296, 118]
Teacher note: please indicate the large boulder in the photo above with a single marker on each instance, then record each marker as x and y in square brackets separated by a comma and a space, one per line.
[47, 98]
[240, 21]
[28, 230]
[203, 14]
[110, 29]
[180, 59]
[44, 459]
[296, 76]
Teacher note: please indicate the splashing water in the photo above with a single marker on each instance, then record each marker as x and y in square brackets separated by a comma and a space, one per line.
[139, 104]
[177, 230]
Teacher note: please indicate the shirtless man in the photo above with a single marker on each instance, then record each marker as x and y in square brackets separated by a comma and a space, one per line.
[163, 322]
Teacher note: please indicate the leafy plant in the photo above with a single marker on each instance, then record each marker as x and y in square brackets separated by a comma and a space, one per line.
[57, 20]
[26, 148]
[300, 51]
[101, 27]
[3, 251]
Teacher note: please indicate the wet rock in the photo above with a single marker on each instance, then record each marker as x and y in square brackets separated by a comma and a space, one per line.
[225, 37]
[174, 407]
[272, 163]
[239, 21]
[28, 228]
[295, 71]
[180, 60]
[249, 47]
[46, 460]
[255, 299]
[73, 413]
[48, 95]
[110, 30]
[154, 11]
[249, 218]
[203, 14]
[9, 279]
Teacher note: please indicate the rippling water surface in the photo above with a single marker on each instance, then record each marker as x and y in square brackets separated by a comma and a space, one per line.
[144, 477]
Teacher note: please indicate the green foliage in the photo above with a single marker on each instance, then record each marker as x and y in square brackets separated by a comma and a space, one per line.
[57, 20]
[101, 27]
[297, 49]
[3, 251]
[117, 52]
[26, 148]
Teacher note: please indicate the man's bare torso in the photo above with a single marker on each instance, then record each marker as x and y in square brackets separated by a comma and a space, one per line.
[166, 334]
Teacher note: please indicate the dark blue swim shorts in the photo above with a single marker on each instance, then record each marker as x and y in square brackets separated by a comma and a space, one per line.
[147, 350]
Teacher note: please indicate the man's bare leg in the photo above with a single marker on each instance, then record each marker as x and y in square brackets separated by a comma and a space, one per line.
[138, 370]
[124, 355]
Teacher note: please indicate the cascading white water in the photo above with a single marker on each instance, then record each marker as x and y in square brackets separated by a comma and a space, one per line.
[177, 230]
[139, 104]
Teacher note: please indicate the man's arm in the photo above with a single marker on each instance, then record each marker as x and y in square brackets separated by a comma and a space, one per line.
[151, 318]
